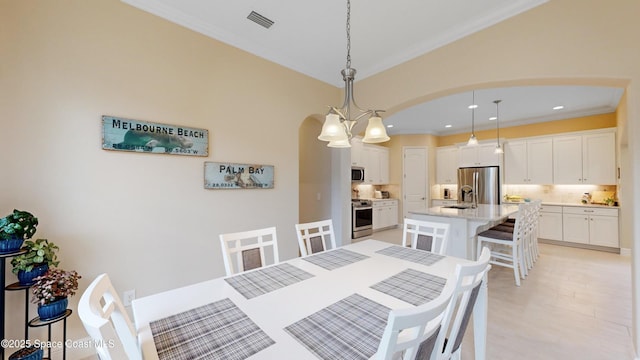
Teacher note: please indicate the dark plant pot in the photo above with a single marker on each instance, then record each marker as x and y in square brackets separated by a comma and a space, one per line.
[26, 277]
[10, 245]
[53, 309]
[27, 353]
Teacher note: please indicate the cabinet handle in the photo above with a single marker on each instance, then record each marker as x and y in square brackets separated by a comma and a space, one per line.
[589, 211]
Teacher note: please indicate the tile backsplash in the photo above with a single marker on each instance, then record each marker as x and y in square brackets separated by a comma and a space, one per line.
[555, 193]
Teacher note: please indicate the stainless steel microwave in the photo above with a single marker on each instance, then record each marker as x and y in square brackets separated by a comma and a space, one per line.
[357, 174]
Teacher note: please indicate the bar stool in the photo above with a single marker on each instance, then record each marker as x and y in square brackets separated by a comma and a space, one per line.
[507, 246]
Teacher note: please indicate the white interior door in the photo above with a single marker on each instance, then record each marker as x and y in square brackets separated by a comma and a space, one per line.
[414, 182]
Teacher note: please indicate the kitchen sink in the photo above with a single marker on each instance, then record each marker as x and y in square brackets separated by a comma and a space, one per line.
[457, 207]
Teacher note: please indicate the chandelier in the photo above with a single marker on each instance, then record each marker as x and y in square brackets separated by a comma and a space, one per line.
[339, 122]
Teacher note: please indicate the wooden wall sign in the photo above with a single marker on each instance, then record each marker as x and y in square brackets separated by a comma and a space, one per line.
[237, 176]
[140, 136]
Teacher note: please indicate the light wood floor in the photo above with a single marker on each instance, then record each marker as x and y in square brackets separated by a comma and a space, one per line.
[575, 304]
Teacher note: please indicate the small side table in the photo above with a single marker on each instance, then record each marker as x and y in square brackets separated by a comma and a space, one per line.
[36, 322]
[16, 286]
[3, 257]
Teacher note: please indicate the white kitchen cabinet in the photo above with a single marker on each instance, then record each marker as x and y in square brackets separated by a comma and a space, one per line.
[550, 222]
[584, 159]
[385, 214]
[376, 164]
[599, 158]
[357, 157]
[447, 165]
[593, 226]
[529, 161]
[479, 155]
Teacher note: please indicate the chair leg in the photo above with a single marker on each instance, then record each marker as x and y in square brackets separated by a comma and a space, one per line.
[516, 263]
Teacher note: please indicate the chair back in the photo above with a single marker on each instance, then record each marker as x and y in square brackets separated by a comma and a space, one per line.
[313, 237]
[106, 320]
[248, 250]
[426, 235]
[414, 330]
[468, 280]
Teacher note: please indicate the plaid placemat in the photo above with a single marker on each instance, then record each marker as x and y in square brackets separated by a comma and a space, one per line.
[331, 260]
[349, 329]
[219, 330]
[417, 256]
[256, 283]
[412, 286]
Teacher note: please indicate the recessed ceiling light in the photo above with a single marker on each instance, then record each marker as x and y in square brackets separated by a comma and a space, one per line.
[559, 107]
[492, 118]
[473, 106]
[390, 125]
[448, 126]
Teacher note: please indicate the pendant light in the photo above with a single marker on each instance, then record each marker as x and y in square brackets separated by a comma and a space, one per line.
[339, 122]
[498, 149]
[472, 139]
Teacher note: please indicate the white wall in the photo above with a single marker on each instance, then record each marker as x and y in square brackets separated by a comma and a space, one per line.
[144, 219]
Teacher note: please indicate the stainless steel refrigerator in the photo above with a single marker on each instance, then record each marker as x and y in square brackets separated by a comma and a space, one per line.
[479, 185]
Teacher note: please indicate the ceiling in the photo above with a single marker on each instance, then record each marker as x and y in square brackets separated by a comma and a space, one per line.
[310, 37]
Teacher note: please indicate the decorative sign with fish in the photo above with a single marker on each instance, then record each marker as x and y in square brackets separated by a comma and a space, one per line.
[146, 137]
[237, 176]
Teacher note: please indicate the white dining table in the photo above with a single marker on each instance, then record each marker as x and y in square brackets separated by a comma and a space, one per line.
[273, 311]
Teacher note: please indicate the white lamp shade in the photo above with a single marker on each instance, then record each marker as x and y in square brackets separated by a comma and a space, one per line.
[472, 141]
[498, 150]
[339, 143]
[375, 132]
[332, 129]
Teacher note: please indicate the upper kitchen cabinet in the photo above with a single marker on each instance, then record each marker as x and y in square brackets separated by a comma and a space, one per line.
[357, 158]
[480, 155]
[376, 168]
[529, 161]
[585, 159]
[447, 165]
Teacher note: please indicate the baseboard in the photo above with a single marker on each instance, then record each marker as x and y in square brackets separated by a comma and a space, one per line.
[625, 252]
[580, 246]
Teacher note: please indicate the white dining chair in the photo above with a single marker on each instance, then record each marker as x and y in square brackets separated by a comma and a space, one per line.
[314, 236]
[468, 280]
[246, 250]
[105, 319]
[426, 235]
[411, 333]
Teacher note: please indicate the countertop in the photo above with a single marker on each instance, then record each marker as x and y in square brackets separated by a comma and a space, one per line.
[577, 204]
[482, 212]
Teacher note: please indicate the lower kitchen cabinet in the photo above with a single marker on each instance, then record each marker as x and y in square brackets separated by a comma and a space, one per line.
[385, 214]
[593, 226]
[550, 222]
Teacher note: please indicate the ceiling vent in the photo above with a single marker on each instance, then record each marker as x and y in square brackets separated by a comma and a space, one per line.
[260, 20]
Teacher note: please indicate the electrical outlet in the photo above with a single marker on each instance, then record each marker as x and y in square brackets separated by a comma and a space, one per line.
[128, 296]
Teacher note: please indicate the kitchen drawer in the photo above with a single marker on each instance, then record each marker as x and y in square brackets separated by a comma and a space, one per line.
[551, 208]
[590, 211]
[383, 203]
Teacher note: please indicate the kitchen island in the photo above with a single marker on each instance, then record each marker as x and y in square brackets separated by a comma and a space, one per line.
[465, 224]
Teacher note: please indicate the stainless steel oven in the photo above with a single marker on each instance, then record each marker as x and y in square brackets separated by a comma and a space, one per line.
[361, 218]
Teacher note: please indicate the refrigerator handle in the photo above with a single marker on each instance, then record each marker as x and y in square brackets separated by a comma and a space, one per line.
[475, 189]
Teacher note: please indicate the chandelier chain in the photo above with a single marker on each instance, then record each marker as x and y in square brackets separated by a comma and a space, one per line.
[348, 34]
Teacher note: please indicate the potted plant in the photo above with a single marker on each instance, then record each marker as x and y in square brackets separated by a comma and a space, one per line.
[40, 255]
[15, 228]
[51, 292]
[31, 352]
